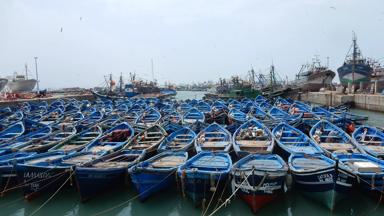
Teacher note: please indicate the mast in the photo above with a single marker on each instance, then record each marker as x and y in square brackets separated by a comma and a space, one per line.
[37, 74]
[272, 75]
[26, 71]
[354, 57]
[121, 82]
[153, 75]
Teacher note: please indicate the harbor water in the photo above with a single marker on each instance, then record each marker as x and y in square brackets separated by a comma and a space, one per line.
[171, 202]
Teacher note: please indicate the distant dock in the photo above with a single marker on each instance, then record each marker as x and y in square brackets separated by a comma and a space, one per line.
[52, 97]
[373, 102]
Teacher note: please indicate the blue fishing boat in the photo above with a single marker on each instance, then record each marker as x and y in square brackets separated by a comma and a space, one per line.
[203, 107]
[184, 107]
[333, 139]
[10, 118]
[325, 114]
[234, 104]
[79, 141]
[282, 104]
[265, 106]
[371, 140]
[157, 173]
[235, 116]
[365, 171]
[260, 99]
[205, 176]
[12, 132]
[33, 131]
[148, 139]
[192, 116]
[282, 116]
[112, 140]
[259, 179]
[180, 140]
[106, 173]
[73, 117]
[264, 117]
[315, 176]
[52, 116]
[7, 169]
[173, 117]
[49, 171]
[170, 127]
[92, 119]
[148, 117]
[219, 112]
[308, 117]
[60, 134]
[213, 138]
[252, 137]
[292, 141]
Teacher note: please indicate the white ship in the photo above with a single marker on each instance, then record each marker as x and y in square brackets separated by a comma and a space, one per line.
[3, 83]
[313, 77]
[21, 83]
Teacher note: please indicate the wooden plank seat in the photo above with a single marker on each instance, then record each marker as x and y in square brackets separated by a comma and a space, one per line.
[79, 159]
[46, 159]
[254, 143]
[289, 137]
[101, 148]
[337, 146]
[68, 147]
[375, 148]
[170, 161]
[293, 143]
[111, 164]
[214, 144]
[372, 142]
[79, 142]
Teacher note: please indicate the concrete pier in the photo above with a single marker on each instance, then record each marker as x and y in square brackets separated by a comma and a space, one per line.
[373, 102]
[51, 98]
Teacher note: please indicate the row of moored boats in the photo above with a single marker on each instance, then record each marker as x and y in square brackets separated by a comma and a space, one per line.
[209, 149]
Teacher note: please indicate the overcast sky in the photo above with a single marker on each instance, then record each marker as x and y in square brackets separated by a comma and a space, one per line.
[80, 41]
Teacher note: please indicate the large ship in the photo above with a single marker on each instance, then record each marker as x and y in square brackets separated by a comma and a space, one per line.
[3, 83]
[356, 69]
[313, 77]
[20, 83]
[377, 76]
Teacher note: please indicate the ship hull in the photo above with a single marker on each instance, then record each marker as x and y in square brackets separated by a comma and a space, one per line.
[3, 83]
[316, 81]
[362, 74]
[22, 85]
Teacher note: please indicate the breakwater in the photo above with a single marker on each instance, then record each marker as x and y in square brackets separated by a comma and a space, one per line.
[373, 102]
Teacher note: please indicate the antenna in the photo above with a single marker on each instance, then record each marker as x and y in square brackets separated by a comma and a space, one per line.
[327, 61]
[153, 75]
[37, 75]
[26, 71]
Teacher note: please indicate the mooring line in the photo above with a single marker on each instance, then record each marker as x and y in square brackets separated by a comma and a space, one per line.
[51, 197]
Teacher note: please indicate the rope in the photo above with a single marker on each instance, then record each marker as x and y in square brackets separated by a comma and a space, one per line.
[29, 180]
[125, 202]
[233, 194]
[213, 195]
[51, 197]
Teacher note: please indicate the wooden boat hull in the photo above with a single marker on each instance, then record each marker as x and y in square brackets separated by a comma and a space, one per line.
[92, 182]
[38, 180]
[157, 173]
[148, 183]
[205, 175]
[259, 184]
[319, 185]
